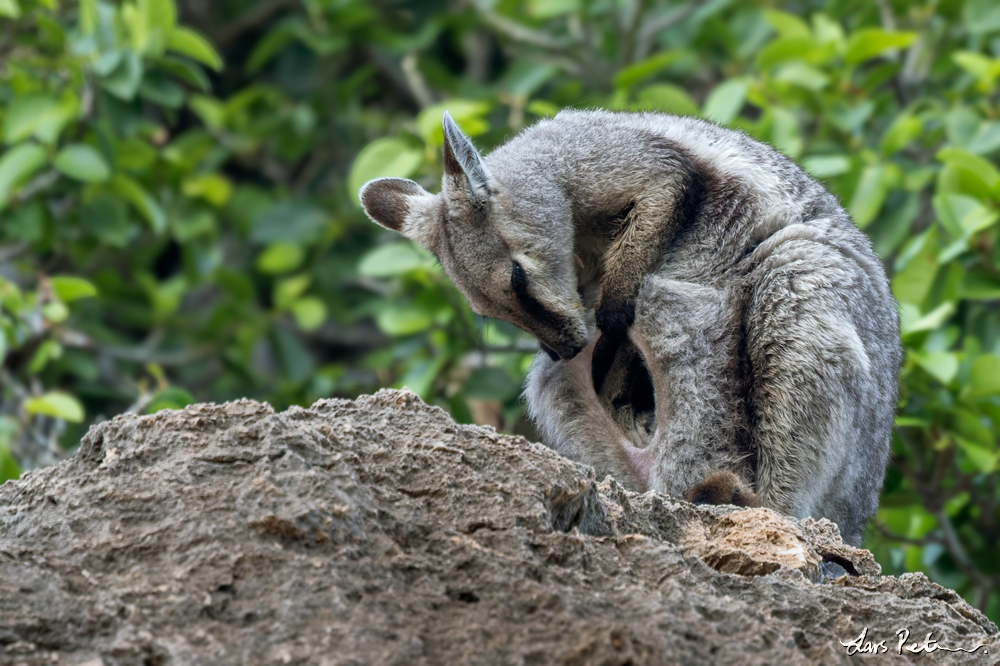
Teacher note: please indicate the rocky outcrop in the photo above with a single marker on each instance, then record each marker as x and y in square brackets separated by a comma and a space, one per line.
[380, 532]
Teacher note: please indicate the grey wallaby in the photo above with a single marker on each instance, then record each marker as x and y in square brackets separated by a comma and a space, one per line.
[715, 326]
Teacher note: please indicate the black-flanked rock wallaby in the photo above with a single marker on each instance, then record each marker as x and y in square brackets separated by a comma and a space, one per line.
[715, 327]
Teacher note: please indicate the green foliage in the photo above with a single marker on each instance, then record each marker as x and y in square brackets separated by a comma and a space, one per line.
[179, 219]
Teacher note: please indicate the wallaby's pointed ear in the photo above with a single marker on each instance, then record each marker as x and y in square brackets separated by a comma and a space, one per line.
[462, 159]
[403, 206]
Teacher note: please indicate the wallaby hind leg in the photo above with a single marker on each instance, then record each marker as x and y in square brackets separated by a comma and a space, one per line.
[690, 337]
[822, 344]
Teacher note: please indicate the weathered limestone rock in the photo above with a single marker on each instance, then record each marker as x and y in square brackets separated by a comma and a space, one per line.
[380, 532]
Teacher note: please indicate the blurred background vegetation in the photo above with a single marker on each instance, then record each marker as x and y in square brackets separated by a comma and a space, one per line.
[179, 219]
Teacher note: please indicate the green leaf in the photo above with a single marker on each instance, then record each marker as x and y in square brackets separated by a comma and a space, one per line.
[543, 109]
[787, 25]
[985, 377]
[9, 469]
[55, 312]
[912, 322]
[38, 115]
[870, 42]
[272, 44]
[805, 76]
[294, 357]
[289, 222]
[190, 224]
[309, 313]
[138, 29]
[69, 288]
[785, 133]
[165, 297]
[16, 166]
[983, 169]
[49, 350]
[188, 42]
[785, 49]
[288, 290]
[142, 200]
[160, 14]
[963, 215]
[169, 398]
[826, 166]
[986, 70]
[912, 422]
[545, 9]
[666, 98]
[467, 113]
[491, 384]
[89, 18]
[211, 111]
[981, 16]
[869, 195]
[106, 218]
[185, 70]
[82, 162]
[386, 157]
[524, 78]
[123, 82]
[422, 375]
[903, 131]
[23, 114]
[943, 366]
[982, 458]
[280, 258]
[649, 67]
[10, 9]
[851, 119]
[211, 187]
[159, 89]
[980, 286]
[970, 425]
[392, 259]
[55, 403]
[725, 101]
[402, 320]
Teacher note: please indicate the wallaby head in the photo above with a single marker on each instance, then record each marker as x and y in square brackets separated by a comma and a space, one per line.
[509, 252]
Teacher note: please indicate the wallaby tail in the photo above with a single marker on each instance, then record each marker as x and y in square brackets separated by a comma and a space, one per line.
[723, 487]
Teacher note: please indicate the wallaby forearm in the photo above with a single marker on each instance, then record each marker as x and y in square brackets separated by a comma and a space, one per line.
[640, 221]
[651, 225]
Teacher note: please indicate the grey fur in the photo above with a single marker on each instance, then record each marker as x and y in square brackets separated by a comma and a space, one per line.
[714, 269]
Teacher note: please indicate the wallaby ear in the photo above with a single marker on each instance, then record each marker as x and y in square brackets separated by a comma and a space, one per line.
[387, 201]
[462, 159]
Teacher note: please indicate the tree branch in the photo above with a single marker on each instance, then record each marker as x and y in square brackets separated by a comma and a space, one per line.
[654, 25]
[415, 81]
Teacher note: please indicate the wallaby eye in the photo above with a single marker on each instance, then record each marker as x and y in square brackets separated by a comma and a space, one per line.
[518, 280]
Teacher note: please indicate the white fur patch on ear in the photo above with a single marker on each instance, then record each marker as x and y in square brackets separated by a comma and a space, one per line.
[386, 200]
[462, 158]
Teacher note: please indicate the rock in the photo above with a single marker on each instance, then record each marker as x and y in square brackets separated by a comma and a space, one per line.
[380, 532]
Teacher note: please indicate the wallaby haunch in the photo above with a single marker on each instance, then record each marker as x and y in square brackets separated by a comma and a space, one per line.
[714, 325]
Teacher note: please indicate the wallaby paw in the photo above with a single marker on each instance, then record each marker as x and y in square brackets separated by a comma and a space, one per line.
[723, 487]
[614, 317]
